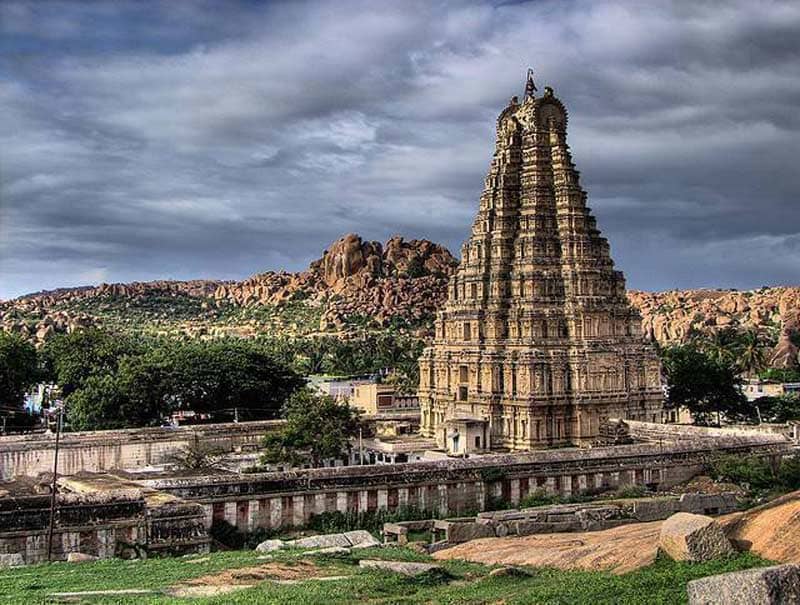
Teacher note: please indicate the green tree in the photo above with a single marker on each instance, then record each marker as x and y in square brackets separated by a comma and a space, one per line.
[111, 402]
[777, 409]
[750, 351]
[317, 429]
[215, 377]
[704, 383]
[228, 375]
[19, 369]
[73, 358]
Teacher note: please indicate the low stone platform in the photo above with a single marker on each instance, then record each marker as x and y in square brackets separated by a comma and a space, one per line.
[582, 517]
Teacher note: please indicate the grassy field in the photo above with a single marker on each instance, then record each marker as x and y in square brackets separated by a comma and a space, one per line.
[463, 583]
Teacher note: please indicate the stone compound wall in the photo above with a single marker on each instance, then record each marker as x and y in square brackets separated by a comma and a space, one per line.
[103, 525]
[100, 451]
[456, 486]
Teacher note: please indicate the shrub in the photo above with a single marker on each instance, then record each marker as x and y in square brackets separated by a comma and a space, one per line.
[756, 474]
[631, 491]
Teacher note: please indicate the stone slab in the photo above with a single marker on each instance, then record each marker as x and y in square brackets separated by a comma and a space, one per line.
[402, 567]
[778, 585]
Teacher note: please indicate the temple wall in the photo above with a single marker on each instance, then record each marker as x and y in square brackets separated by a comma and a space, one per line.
[103, 526]
[98, 451]
[455, 486]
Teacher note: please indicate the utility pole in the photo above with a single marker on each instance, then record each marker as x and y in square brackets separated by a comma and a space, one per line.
[59, 420]
[360, 447]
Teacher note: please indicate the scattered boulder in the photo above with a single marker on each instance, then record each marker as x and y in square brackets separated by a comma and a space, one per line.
[330, 550]
[80, 557]
[11, 560]
[690, 537]
[361, 538]
[270, 545]
[402, 567]
[509, 572]
[323, 541]
[778, 585]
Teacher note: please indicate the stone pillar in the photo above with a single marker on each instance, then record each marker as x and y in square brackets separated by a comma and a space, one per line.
[383, 499]
[363, 501]
[275, 512]
[443, 501]
[402, 496]
[514, 491]
[581, 483]
[566, 485]
[341, 502]
[208, 509]
[550, 485]
[298, 510]
[253, 517]
[230, 512]
[319, 503]
[480, 495]
[598, 480]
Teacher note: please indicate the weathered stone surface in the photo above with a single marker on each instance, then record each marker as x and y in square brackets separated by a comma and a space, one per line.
[535, 263]
[455, 533]
[361, 538]
[323, 541]
[711, 504]
[690, 537]
[771, 530]
[402, 567]
[655, 509]
[270, 545]
[80, 557]
[329, 550]
[11, 560]
[778, 585]
[509, 572]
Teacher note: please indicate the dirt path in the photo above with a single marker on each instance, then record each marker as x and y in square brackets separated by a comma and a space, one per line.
[621, 549]
[230, 580]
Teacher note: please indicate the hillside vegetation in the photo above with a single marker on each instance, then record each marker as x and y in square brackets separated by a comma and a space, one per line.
[363, 287]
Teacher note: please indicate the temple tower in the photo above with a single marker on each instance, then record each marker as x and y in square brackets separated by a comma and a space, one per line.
[537, 343]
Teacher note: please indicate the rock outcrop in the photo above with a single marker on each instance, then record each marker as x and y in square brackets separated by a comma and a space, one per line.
[771, 530]
[401, 279]
[690, 537]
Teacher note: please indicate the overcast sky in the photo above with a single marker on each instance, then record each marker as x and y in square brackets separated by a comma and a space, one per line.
[184, 139]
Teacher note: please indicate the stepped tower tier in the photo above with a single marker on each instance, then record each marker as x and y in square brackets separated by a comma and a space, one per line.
[537, 344]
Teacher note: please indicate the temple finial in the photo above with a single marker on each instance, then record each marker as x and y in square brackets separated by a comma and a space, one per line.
[530, 86]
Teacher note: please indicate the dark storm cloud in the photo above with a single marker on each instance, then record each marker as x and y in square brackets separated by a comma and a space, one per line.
[217, 139]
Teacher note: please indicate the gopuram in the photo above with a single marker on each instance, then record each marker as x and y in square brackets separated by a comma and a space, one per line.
[537, 344]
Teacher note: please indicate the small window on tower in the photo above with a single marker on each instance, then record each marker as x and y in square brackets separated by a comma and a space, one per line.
[474, 291]
[462, 393]
[463, 375]
[467, 331]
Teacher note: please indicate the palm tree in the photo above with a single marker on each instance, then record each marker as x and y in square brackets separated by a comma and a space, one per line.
[751, 356]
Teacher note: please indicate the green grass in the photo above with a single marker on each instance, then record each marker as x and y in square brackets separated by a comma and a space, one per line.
[664, 582]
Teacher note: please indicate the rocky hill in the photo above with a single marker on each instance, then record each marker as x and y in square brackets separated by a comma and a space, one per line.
[362, 285]
[355, 285]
